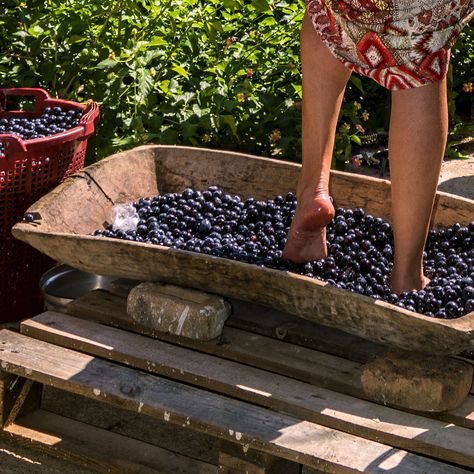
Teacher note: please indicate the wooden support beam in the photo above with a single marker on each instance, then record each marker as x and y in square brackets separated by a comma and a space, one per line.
[99, 449]
[18, 396]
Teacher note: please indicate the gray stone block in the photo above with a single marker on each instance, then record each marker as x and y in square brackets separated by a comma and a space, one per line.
[177, 310]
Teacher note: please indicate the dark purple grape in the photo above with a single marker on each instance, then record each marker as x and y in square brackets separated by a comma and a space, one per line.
[360, 246]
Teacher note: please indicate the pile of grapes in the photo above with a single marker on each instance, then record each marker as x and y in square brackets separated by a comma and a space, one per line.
[52, 120]
[360, 246]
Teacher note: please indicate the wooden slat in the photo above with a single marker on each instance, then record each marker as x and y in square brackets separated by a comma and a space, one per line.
[100, 449]
[321, 369]
[328, 408]
[269, 322]
[131, 424]
[295, 361]
[282, 435]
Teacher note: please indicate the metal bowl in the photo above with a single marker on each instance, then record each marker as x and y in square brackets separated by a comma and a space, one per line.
[63, 284]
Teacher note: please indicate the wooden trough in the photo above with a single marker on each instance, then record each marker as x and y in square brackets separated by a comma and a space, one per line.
[67, 215]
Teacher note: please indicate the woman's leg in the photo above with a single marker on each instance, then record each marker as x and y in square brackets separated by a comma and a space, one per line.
[417, 141]
[324, 81]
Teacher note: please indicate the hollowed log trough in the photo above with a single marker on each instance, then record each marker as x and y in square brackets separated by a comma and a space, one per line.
[65, 218]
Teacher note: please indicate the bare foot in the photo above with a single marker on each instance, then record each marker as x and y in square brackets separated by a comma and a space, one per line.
[307, 235]
[400, 284]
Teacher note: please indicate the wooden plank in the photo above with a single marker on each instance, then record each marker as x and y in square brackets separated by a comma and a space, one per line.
[139, 426]
[277, 434]
[285, 327]
[28, 400]
[269, 322]
[172, 168]
[10, 388]
[295, 361]
[270, 390]
[100, 449]
[304, 364]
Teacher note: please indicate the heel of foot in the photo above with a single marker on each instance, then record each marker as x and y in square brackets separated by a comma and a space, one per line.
[318, 215]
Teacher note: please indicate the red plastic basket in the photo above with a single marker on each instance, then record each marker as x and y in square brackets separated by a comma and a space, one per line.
[28, 170]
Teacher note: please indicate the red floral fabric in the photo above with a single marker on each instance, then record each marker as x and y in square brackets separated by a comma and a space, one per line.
[398, 43]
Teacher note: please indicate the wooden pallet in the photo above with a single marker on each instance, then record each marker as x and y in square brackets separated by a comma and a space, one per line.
[277, 395]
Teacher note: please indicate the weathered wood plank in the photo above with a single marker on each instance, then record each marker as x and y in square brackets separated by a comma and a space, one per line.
[271, 390]
[139, 426]
[277, 434]
[29, 399]
[111, 305]
[305, 364]
[269, 322]
[10, 389]
[321, 369]
[172, 169]
[100, 449]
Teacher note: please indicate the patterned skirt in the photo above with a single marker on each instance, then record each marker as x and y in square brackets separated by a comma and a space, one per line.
[399, 43]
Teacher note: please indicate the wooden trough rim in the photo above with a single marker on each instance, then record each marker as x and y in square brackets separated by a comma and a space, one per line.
[464, 324]
[85, 174]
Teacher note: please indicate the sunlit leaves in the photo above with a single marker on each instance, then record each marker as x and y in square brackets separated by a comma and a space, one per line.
[215, 73]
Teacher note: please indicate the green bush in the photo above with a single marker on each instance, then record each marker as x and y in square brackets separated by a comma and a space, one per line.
[221, 74]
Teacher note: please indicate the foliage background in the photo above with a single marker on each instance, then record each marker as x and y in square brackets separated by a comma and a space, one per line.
[221, 74]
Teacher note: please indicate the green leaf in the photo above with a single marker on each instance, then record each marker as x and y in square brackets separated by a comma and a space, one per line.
[261, 5]
[357, 82]
[230, 4]
[229, 120]
[180, 70]
[347, 150]
[156, 41]
[35, 30]
[164, 85]
[356, 139]
[299, 90]
[122, 141]
[107, 64]
[74, 39]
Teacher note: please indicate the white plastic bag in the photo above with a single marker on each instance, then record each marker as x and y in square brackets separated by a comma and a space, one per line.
[125, 217]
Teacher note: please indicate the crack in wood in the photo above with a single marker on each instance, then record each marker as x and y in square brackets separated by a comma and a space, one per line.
[98, 186]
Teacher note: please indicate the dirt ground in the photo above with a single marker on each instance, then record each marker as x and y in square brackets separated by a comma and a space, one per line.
[457, 177]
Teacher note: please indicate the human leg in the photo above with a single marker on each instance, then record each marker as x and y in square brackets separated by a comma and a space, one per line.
[324, 81]
[417, 141]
